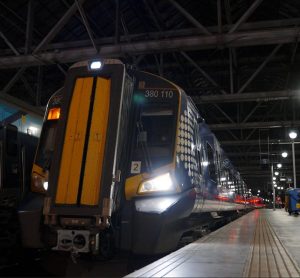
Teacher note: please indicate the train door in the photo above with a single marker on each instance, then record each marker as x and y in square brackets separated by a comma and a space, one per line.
[85, 166]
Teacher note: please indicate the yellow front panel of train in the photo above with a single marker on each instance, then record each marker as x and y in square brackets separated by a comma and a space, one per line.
[96, 144]
[70, 168]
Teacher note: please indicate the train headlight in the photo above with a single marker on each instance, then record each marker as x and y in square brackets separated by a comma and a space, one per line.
[39, 183]
[95, 65]
[160, 183]
[45, 185]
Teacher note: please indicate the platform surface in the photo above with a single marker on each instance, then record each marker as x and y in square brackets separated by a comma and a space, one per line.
[262, 243]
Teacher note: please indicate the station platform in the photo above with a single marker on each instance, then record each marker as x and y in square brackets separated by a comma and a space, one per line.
[262, 243]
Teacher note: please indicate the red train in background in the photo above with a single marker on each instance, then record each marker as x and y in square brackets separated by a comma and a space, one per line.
[256, 202]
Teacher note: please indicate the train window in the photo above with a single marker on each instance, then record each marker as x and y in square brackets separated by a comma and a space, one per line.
[211, 166]
[155, 135]
[46, 145]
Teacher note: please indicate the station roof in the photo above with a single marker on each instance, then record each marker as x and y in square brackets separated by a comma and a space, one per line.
[238, 60]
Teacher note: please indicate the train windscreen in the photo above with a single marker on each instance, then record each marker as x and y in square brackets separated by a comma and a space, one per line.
[155, 135]
[46, 144]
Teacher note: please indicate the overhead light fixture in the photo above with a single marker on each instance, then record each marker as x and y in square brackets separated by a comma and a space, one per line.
[276, 173]
[293, 134]
[274, 178]
[284, 154]
[279, 165]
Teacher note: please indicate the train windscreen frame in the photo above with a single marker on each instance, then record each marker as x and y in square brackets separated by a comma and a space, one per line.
[46, 145]
[154, 132]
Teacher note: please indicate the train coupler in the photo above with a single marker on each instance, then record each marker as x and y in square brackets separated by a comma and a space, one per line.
[77, 241]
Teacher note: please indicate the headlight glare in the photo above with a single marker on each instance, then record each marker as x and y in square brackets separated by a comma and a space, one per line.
[160, 183]
[45, 185]
[95, 65]
[39, 183]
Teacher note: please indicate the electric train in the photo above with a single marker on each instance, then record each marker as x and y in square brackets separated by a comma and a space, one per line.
[16, 157]
[125, 161]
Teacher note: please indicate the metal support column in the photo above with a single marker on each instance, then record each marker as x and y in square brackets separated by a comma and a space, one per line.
[274, 197]
[117, 20]
[231, 71]
[29, 26]
[294, 164]
[219, 10]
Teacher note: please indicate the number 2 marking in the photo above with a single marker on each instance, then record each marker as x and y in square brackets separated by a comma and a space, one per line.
[135, 167]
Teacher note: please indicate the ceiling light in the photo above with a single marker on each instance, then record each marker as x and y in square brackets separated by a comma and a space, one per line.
[293, 134]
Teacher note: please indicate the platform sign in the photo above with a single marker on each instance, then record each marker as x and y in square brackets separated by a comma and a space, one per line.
[135, 167]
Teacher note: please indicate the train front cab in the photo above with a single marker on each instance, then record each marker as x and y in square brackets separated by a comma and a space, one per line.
[78, 175]
[30, 210]
[156, 197]
[189, 174]
[79, 202]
